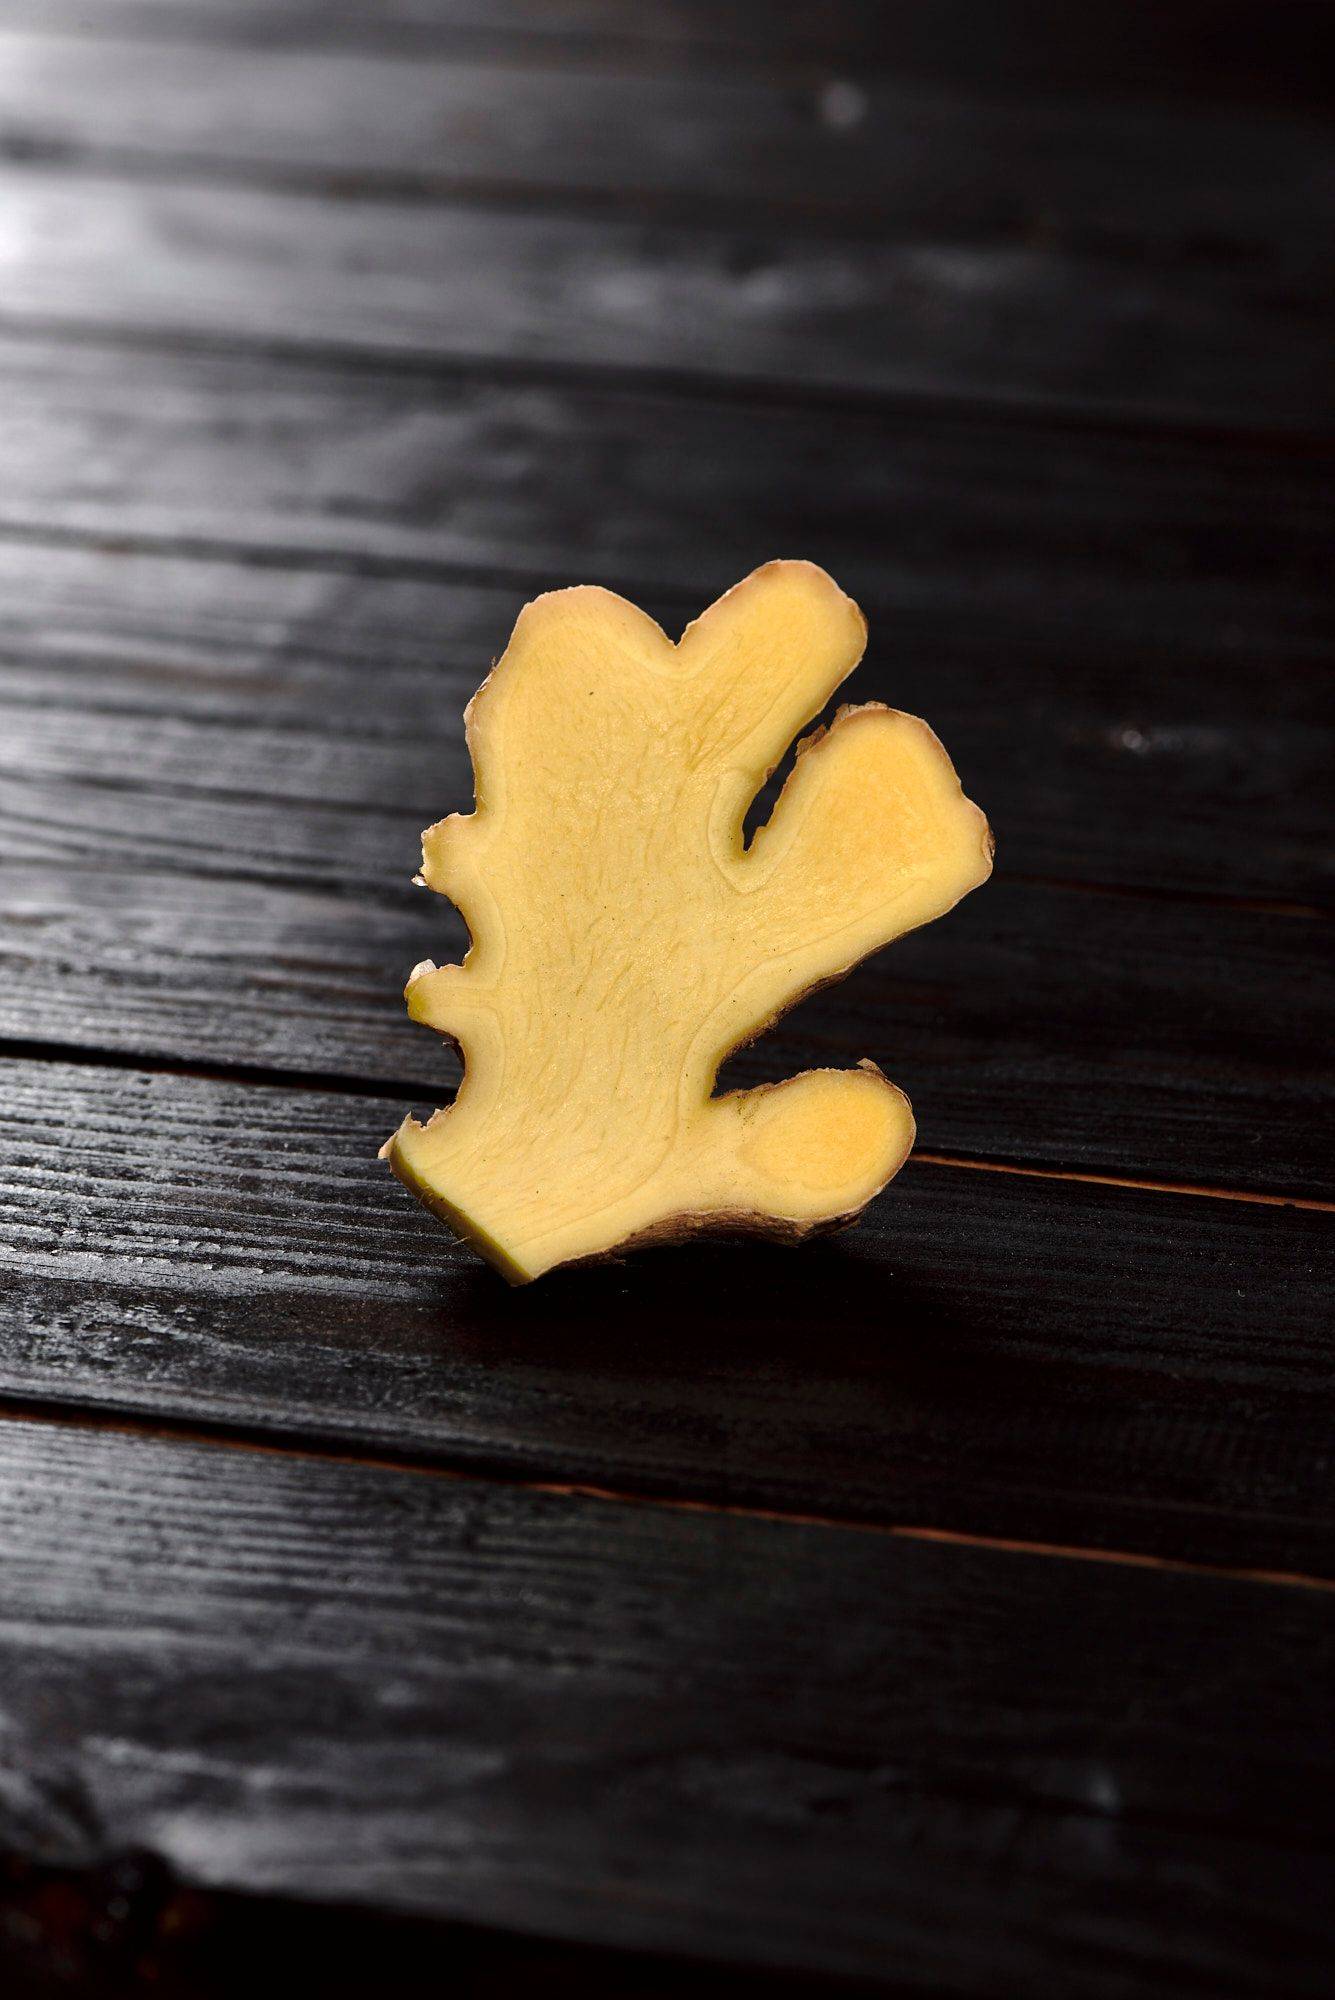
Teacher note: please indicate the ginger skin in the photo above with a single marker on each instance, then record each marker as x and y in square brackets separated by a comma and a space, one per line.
[624, 940]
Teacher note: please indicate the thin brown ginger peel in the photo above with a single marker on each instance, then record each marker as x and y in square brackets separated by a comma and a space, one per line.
[625, 939]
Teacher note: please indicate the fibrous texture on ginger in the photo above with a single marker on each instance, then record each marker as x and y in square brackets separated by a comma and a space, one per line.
[625, 939]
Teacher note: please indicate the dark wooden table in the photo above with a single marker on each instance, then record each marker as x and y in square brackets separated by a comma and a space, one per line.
[947, 1608]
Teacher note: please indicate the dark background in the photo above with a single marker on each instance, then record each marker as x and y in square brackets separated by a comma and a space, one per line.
[947, 1608]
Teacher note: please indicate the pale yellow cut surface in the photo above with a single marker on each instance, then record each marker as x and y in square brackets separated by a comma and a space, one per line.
[625, 940]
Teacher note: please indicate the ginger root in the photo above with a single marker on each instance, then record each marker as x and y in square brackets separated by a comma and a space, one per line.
[625, 940]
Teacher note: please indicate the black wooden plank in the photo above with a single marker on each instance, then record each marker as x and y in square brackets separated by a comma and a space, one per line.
[1196, 186]
[225, 692]
[1032, 1025]
[1092, 538]
[217, 868]
[1188, 750]
[1246, 51]
[982, 319]
[294, 729]
[935, 1767]
[998, 1354]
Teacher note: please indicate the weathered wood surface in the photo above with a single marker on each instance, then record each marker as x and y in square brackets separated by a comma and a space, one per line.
[1147, 621]
[1032, 1025]
[329, 334]
[1158, 769]
[217, 868]
[1243, 51]
[1142, 541]
[927, 1764]
[1000, 320]
[1178, 183]
[991, 1353]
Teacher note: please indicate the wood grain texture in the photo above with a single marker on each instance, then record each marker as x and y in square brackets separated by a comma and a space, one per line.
[945, 1608]
[1033, 1025]
[311, 1678]
[210, 805]
[975, 320]
[988, 1353]
[1189, 185]
[1244, 51]
[1141, 704]
[1140, 541]
[229, 693]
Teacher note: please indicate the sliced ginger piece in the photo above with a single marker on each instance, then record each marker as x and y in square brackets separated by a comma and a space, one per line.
[625, 939]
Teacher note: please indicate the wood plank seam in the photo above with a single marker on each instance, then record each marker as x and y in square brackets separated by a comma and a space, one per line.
[1145, 1184]
[1014, 410]
[75, 1417]
[824, 222]
[1074, 742]
[335, 1083]
[1240, 61]
[1263, 906]
[298, 879]
[832, 167]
